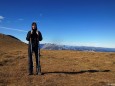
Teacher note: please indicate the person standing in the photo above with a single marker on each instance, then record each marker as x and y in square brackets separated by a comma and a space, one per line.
[34, 36]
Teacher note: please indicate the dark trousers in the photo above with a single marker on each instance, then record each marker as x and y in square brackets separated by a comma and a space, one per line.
[30, 60]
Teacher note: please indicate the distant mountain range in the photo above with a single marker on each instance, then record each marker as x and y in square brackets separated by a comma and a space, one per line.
[15, 42]
[49, 46]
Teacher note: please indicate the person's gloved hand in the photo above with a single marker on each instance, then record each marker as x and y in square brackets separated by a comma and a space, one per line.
[37, 32]
[31, 32]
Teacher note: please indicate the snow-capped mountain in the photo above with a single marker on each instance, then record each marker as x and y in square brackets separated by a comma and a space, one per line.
[49, 46]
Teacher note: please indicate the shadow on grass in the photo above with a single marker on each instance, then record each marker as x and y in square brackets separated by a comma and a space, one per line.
[79, 72]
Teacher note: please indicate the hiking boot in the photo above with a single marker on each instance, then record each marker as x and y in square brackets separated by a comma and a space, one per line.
[38, 73]
[30, 74]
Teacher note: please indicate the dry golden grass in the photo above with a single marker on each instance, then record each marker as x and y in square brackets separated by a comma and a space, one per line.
[8, 44]
[59, 68]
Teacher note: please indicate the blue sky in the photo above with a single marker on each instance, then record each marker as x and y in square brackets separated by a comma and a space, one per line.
[69, 22]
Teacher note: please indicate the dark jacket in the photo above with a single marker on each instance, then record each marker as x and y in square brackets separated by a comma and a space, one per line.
[35, 38]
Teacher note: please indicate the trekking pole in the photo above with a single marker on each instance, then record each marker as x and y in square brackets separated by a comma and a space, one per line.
[39, 66]
[31, 46]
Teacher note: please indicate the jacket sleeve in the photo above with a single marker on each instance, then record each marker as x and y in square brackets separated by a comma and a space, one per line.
[40, 36]
[28, 36]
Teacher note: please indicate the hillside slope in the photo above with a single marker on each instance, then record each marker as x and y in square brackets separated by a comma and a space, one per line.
[9, 43]
[59, 67]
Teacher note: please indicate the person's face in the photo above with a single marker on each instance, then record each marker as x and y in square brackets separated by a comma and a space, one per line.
[33, 27]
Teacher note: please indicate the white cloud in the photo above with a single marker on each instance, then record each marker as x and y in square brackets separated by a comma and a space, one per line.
[19, 30]
[1, 17]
